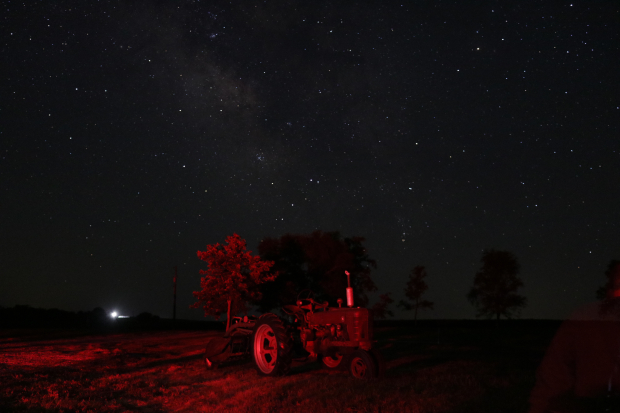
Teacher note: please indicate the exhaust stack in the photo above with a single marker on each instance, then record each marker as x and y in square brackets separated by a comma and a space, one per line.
[349, 290]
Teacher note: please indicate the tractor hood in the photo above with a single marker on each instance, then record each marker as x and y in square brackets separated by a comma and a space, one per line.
[357, 321]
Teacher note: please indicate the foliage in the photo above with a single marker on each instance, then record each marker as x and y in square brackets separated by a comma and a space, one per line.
[316, 261]
[233, 276]
[495, 285]
[415, 289]
[612, 273]
[381, 308]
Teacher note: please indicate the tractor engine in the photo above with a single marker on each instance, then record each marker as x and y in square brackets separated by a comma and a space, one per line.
[337, 328]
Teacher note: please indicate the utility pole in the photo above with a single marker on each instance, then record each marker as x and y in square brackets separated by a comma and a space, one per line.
[174, 305]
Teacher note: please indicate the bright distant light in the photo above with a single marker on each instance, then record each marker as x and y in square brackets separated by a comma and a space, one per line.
[114, 314]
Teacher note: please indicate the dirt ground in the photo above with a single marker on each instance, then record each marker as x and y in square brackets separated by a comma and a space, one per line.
[452, 368]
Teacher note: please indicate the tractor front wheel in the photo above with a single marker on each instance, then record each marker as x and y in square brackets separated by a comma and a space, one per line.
[333, 361]
[362, 365]
[272, 346]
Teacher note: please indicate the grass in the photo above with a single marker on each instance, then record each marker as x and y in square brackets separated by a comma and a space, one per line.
[433, 367]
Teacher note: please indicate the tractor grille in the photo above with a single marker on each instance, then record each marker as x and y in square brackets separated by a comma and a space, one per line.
[359, 325]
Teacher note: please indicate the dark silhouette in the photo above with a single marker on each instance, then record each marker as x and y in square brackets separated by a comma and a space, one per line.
[603, 290]
[580, 370]
[415, 288]
[317, 262]
[147, 318]
[232, 278]
[25, 316]
[496, 284]
[381, 308]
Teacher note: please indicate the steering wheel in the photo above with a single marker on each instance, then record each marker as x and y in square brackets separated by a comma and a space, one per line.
[305, 299]
[306, 294]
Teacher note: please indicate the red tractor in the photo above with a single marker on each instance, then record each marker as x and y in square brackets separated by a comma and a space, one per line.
[339, 337]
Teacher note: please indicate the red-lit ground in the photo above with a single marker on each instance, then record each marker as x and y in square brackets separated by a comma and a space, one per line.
[427, 371]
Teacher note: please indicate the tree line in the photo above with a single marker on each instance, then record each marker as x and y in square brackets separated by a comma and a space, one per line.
[316, 262]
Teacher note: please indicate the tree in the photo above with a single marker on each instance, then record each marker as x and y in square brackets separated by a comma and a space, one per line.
[381, 307]
[495, 285]
[613, 275]
[317, 262]
[415, 289]
[232, 279]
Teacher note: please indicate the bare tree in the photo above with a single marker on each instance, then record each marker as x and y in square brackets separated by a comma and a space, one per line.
[415, 289]
[381, 308]
[494, 292]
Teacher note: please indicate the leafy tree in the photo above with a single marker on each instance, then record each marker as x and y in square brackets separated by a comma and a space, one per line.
[232, 278]
[290, 262]
[415, 289]
[381, 307]
[317, 262]
[495, 285]
[613, 277]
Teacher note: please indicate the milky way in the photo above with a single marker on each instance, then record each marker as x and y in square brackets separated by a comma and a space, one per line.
[134, 135]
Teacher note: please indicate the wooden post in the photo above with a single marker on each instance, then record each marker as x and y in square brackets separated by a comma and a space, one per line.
[174, 303]
[228, 315]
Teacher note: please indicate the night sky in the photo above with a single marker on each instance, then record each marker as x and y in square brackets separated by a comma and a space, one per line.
[133, 134]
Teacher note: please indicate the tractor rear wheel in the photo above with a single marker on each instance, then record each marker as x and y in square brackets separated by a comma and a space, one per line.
[380, 362]
[271, 346]
[362, 365]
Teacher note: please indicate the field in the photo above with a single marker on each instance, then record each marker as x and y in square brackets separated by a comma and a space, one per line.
[449, 366]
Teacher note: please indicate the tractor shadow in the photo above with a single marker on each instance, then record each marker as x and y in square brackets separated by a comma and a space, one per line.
[513, 344]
